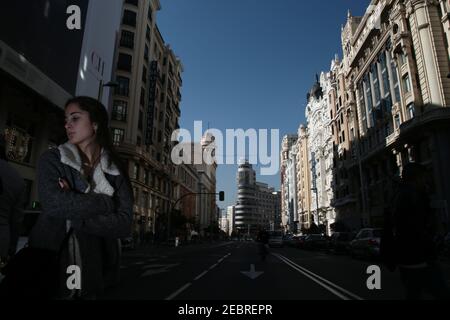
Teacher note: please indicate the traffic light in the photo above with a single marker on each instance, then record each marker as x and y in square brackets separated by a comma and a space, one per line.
[221, 196]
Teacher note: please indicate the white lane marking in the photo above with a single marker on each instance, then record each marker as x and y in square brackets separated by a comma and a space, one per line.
[330, 286]
[201, 275]
[213, 266]
[153, 272]
[164, 266]
[176, 293]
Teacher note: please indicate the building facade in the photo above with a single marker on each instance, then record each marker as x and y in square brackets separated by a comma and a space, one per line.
[41, 67]
[320, 147]
[268, 203]
[145, 111]
[231, 219]
[396, 65]
[287, 177]
[246, 209]
[303, 180]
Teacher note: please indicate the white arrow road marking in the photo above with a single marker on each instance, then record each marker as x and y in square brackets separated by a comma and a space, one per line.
[252, 274]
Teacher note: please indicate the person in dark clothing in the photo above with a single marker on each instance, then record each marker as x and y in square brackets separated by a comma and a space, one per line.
[83, 186]
[414, 231]
[12, 196]
[263, 240]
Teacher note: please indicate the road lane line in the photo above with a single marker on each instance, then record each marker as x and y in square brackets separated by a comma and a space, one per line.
[201, 275]
[213, 266]
[176, 293]
[319, 280]
[354, 296]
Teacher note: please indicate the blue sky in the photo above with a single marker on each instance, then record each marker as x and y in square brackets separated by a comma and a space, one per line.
[250, 63]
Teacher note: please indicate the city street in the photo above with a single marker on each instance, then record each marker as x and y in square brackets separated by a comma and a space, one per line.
[234, 271]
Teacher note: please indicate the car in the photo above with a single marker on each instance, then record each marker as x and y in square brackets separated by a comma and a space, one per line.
[276, 239]
[366, 243]
[340, 242]
[127, 243]
[446, 246]
[315, 242]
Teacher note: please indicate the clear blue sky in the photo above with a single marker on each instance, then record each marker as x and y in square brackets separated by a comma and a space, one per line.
[250, 63]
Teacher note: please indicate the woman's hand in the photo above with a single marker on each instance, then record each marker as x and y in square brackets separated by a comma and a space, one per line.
[64, 185]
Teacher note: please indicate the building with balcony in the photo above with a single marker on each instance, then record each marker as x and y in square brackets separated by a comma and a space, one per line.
[320, 146]
[287, 181]
[303, 180]
[145, 111]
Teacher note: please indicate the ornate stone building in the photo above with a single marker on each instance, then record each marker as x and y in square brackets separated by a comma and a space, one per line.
[320, 148]
[396, 67]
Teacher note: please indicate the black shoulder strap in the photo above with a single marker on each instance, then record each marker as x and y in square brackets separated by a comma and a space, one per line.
[65, 241]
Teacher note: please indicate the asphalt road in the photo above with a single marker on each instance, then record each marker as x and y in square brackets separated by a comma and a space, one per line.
[235, 271]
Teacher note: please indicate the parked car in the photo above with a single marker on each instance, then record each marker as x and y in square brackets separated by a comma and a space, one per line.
[287, 240]
[446, 246]
[340, 242]
[275, 239]
[298, 241]
[128, 243]
[315, 242]
[366, 243]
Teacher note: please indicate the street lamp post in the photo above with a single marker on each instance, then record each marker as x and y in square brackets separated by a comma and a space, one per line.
[110, 84]
[317, 204]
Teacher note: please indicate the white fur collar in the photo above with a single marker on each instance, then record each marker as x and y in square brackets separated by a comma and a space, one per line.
[71, 157]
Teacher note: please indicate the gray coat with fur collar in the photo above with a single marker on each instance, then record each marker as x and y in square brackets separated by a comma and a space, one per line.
[100, 213]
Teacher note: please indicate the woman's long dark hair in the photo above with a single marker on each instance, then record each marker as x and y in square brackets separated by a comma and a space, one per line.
[98, 114]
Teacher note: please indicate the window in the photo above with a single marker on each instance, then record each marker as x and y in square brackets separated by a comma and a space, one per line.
[142, 99]
[146, 53]
[147, 34]
[136, 171]
[123, 87]
[368, 90]
[376, 84]
[159, 136]
[406, 83]
[397, 121]
[395, 81]
[138, 141]
[141, 120]
[117, 135]
[146, 177]
[411, 111]
[136, 194]
[145, 201]
[127, 39]
[403, 58]
[124, 62]
[133, 2]
[129, 18]
[150, 13]
[119, 111]
[144, 74]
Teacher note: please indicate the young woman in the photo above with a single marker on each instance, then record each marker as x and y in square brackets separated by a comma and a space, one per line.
[84, 189]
